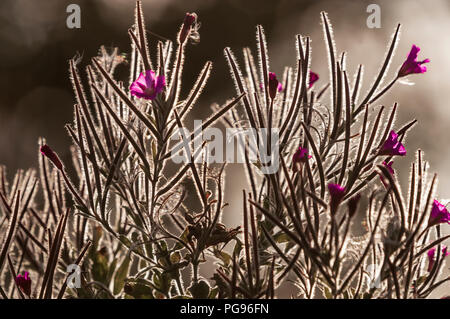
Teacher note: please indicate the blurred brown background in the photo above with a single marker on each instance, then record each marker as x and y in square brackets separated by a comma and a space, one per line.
[35, 93]
[35, 45]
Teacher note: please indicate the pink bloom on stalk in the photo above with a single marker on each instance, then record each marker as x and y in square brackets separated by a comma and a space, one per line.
[301, 155]
[48, 152]
[313, 77]
[274, 85]
[431, 256]
[24, 283]
[439, 214]
[148, 86]
[392, 146]
[411, 65]
[337, 193]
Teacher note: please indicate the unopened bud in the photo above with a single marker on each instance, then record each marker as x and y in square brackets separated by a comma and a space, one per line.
[189, 20]
[337, 193]
[24, 283]
[274, 85]
[48, 152]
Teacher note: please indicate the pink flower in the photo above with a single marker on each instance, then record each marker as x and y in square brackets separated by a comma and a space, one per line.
[337, 193]
[274, 85]
[48, 152]
[392, 146]
[431, 256]
[439, 214]
[313, 77]
[24, 283]
[411, 65]
[391, 171]
[148, 86]
[301, 155]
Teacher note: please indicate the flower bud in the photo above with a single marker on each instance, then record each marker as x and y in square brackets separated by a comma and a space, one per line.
[48, 152]
[313, 77]
[189, 20]
[337, 193]
[431, 253]
[24, 283]
[388, 165]
[274, 85]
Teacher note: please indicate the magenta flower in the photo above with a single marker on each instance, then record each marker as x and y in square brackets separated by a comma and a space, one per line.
[411, 65]
[274, 85]
[48, 152]
[337, 193]
[24, 283]
[431, 256]
[392, 146]
[148, 86]
[313, 77]
[301, 155]
[439, 214]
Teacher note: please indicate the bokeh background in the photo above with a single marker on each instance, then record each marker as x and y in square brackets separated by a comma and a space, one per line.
[35, 46]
